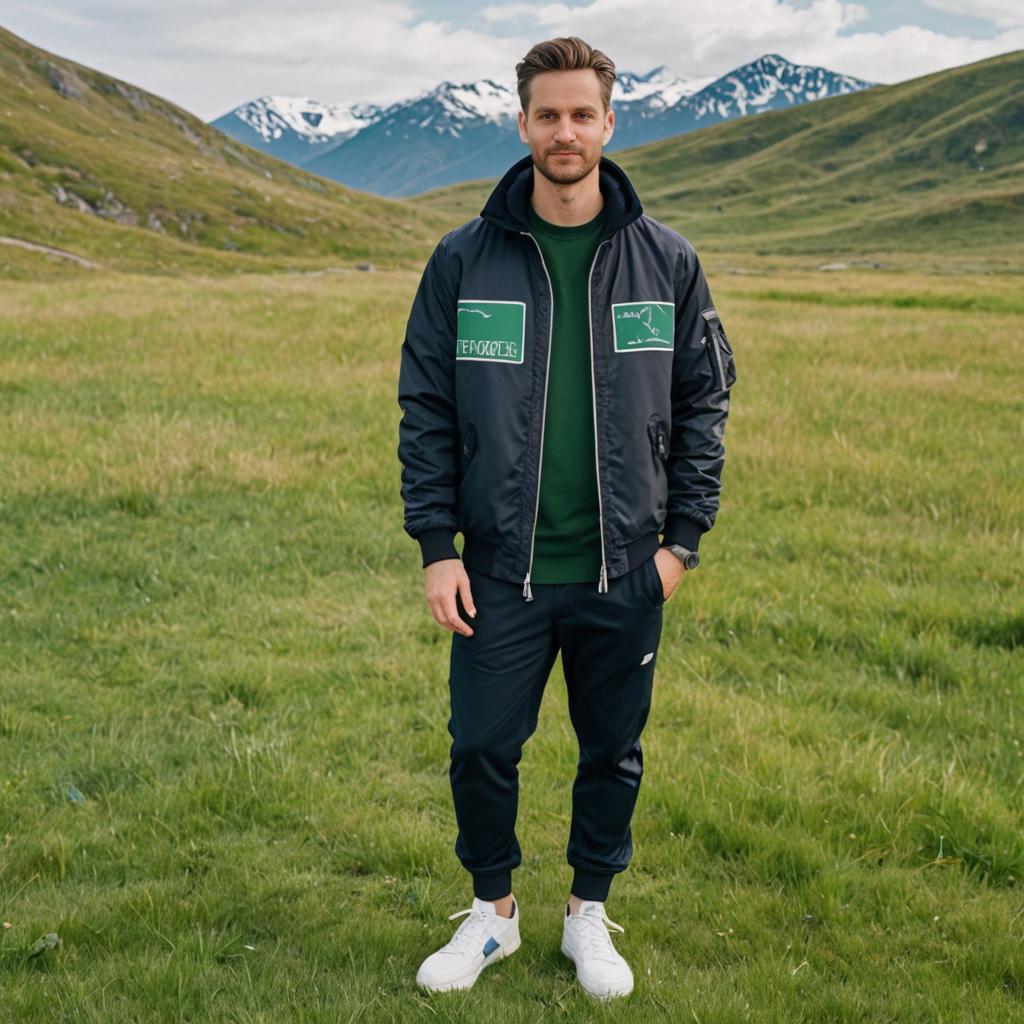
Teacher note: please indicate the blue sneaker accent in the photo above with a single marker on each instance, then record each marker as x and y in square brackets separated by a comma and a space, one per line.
[490, 946]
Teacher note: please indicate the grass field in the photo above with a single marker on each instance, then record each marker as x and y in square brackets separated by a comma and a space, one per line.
[223, 700]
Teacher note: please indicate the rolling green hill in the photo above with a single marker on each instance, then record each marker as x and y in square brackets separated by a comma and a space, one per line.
[927, 173]
[930, 170]
[124, 179]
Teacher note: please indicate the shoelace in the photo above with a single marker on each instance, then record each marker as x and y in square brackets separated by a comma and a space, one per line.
[474, 928]
[596, 939]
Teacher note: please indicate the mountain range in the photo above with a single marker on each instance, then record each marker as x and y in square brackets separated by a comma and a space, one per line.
[461, 131]
[97, 173]
[928, 172]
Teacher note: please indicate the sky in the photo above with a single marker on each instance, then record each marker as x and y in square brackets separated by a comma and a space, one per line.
[209, 56]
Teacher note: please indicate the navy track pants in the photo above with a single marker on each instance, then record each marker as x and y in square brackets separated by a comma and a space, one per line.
[609, 646]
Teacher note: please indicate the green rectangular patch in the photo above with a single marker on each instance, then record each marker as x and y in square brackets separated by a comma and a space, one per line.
[641, 326]
[491, 330]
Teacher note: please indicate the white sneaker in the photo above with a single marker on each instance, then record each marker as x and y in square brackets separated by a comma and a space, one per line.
[585, 940]
[484, 937]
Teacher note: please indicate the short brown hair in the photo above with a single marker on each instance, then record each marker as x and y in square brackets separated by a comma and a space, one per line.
[566, 53]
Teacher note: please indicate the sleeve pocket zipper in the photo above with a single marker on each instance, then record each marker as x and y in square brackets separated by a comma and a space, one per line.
[718, 343]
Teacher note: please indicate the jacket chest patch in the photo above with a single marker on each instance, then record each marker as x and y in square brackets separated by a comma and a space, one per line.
[491, 330]
[642, 326]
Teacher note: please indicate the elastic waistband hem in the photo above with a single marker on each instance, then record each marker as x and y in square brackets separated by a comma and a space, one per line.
[481, 555]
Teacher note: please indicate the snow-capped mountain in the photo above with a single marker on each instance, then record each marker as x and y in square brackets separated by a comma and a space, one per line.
[659, 88]
[459, 131]
[455, 102]
[768, 83]
[450, 133]
[295, 128]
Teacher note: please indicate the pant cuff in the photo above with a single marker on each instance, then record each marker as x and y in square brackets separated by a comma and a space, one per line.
[591, 885]
[492, 887]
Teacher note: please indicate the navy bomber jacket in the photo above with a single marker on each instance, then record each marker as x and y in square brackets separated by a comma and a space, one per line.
[473, 386]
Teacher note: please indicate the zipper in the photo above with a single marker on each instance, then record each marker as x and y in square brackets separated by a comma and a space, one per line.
[602, 581]
[712, 318]
[527, 591]
[718, 355]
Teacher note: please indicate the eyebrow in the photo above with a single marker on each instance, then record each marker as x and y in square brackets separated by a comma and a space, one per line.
[585, 106]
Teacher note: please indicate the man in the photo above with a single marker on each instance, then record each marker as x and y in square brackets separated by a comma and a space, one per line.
[564, 383]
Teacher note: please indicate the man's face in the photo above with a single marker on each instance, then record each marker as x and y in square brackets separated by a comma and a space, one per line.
[566, 126]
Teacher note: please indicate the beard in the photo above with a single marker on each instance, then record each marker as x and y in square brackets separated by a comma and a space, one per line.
[566, 172]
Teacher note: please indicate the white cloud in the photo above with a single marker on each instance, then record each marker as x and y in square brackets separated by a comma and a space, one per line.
[209, 55]
[509, 12]
[713, 36]
[1006, 13]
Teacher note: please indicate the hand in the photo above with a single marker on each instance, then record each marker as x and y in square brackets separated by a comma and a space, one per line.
[669, 568]
[445, 579]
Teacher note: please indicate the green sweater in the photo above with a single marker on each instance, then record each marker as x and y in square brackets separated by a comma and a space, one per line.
[567, 544]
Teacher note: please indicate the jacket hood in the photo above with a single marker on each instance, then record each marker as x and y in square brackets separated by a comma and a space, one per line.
[508, 204]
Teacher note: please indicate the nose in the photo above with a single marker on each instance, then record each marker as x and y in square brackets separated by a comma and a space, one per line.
[565, 132]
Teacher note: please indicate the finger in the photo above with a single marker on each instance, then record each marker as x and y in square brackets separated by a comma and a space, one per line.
[437, 610]
[452, 617]
[466, 593]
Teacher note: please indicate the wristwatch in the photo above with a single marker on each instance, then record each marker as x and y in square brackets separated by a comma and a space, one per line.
[689, 558]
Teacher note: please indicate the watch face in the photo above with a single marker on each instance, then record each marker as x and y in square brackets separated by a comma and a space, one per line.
[688, 558]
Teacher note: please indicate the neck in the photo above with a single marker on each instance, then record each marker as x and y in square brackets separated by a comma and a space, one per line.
[567, 205]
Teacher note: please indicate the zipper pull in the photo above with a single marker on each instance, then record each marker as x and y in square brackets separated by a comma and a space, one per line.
[602, 583]
[527, 592]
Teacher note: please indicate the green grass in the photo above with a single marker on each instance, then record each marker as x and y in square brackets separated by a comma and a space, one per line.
[212, 627]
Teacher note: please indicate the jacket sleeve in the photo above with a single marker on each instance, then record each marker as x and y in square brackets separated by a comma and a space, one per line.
[428, 431]
[703, 370]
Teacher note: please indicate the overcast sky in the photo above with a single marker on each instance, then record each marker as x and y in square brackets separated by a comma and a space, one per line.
[211, 55]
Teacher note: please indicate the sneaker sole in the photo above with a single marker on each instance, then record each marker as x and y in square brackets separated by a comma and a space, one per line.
[469, 978]
[596, 994]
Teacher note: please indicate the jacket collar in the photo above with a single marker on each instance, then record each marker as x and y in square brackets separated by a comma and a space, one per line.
[507, 205]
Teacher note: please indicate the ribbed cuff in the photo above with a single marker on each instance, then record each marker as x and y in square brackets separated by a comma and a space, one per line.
[437, 543]
[492, 887]
[591, 885]
[680, 529]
